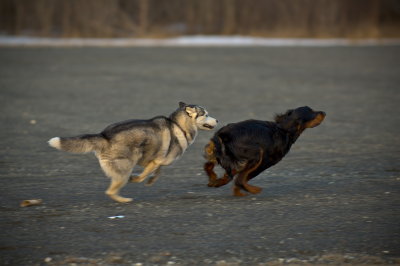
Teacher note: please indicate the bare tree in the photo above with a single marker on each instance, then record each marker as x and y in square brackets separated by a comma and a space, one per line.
[143, 17]
[229, 17]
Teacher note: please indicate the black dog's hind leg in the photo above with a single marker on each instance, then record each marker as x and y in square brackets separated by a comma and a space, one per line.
[212, 176]
[213, 180]
[223, 180]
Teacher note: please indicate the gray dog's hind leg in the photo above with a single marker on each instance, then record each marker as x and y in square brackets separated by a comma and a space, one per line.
[119, 171]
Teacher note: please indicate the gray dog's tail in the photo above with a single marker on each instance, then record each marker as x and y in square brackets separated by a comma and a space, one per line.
[79, 144]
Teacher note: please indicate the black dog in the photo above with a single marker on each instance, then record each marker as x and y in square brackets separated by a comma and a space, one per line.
[249, 147]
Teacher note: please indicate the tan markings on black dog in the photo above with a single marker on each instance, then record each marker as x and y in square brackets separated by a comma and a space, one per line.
[315, 122]
[151, 143]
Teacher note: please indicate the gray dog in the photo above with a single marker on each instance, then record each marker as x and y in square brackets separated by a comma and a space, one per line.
[149, 143]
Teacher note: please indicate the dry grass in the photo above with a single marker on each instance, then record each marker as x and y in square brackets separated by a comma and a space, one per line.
[161, 18]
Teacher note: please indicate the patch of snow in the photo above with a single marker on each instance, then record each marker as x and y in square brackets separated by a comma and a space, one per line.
[199, 40]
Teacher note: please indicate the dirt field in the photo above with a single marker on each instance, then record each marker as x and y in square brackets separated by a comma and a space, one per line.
[333, 200]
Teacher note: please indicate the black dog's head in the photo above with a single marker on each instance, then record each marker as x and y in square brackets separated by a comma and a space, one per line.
[297, 120]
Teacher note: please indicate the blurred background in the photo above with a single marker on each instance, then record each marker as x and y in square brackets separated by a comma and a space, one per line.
[168, 18]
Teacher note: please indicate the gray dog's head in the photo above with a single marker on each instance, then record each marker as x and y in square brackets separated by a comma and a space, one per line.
[200, 115]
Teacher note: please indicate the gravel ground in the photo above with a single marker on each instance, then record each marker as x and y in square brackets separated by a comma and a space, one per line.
[334, 199]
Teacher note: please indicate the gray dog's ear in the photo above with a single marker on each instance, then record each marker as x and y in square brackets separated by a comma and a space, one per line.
[191, 111]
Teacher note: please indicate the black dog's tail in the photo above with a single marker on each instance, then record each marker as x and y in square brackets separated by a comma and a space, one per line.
[217, 150]
[219, 147]
[79, 144]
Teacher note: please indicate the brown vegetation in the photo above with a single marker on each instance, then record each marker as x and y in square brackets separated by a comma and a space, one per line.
[160, 18]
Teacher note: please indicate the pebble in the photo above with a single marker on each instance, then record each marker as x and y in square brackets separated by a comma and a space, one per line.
[116, 259]
[117, 217]
[166, 253]
[221, 263]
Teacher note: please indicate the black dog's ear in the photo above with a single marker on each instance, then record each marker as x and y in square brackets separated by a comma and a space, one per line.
[281, 117]
[182, 105]
[278, 118]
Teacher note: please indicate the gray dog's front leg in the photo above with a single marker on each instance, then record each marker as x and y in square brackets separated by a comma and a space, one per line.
[154, 178]
[150, 168]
